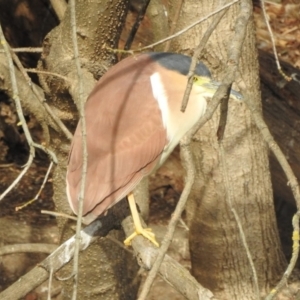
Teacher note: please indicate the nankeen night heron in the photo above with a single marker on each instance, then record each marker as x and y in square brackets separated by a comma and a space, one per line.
[133, 122]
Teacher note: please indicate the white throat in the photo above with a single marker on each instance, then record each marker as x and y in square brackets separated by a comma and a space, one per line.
[177, 124]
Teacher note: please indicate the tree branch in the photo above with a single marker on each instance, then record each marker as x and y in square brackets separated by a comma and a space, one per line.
[170, 270]
[197, 53]
[174, 273]
[29, 248]
[185, 29]
[79, 72]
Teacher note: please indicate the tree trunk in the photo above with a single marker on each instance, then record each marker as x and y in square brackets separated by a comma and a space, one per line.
[219, 259]
[281, 110]
[106, 271]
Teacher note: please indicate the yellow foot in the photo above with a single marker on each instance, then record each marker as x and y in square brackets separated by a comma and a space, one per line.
[139, 230]
[145, 232]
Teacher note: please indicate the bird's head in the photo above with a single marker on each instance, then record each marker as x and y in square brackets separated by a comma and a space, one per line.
[207, 87]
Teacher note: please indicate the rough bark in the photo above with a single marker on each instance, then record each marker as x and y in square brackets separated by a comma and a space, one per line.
[219, 260]
[105, 268]
[158, 15]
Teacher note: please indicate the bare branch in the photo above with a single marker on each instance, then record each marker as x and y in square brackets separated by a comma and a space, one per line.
[19, 112]
[171, 271]
[29, 248]
[40, 190]
[50, 284]
[29, 50]
[265, 132]
[64, 253]
[286, 77]
[283, 282]
[190, 178]
[174, 273]
[234, 56]
[84, 148]
[292, 182]
[233, 62]
[58, 214]
[173, 35]
[196, 55]
[32, 102]
[19, 177]
[57, 120]
[48, 73]
[186, 28]
[32, 145]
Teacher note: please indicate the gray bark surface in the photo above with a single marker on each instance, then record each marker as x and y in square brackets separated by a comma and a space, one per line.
[219, 260]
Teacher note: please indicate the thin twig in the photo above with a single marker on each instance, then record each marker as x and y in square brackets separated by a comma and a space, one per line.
[286, 77]
[50, 153]
[50, 284]
[181, 204]
[19, 112]
[186, 28]
[229, 76]
[164, 246]
[173, 35]
[295, 254]
[241, 23]
[19, 177]
[234, 59]
[84, 149]
[171, 270]
[190, 178]
[29, 49]
[292, 182]
[8, 165]
[265, 132]
[55, 118]
[48, 73]
[40, 190]
[57, 214]
[197, 53]
[27, 248]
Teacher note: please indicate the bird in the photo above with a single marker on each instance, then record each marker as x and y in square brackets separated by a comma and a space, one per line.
[133, 122]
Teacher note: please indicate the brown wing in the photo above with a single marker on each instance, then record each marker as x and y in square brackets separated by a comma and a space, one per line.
[125, 137]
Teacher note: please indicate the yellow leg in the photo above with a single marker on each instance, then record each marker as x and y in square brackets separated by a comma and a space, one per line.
[145, 232]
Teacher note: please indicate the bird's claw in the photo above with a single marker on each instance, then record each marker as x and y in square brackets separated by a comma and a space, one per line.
[146, 233]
